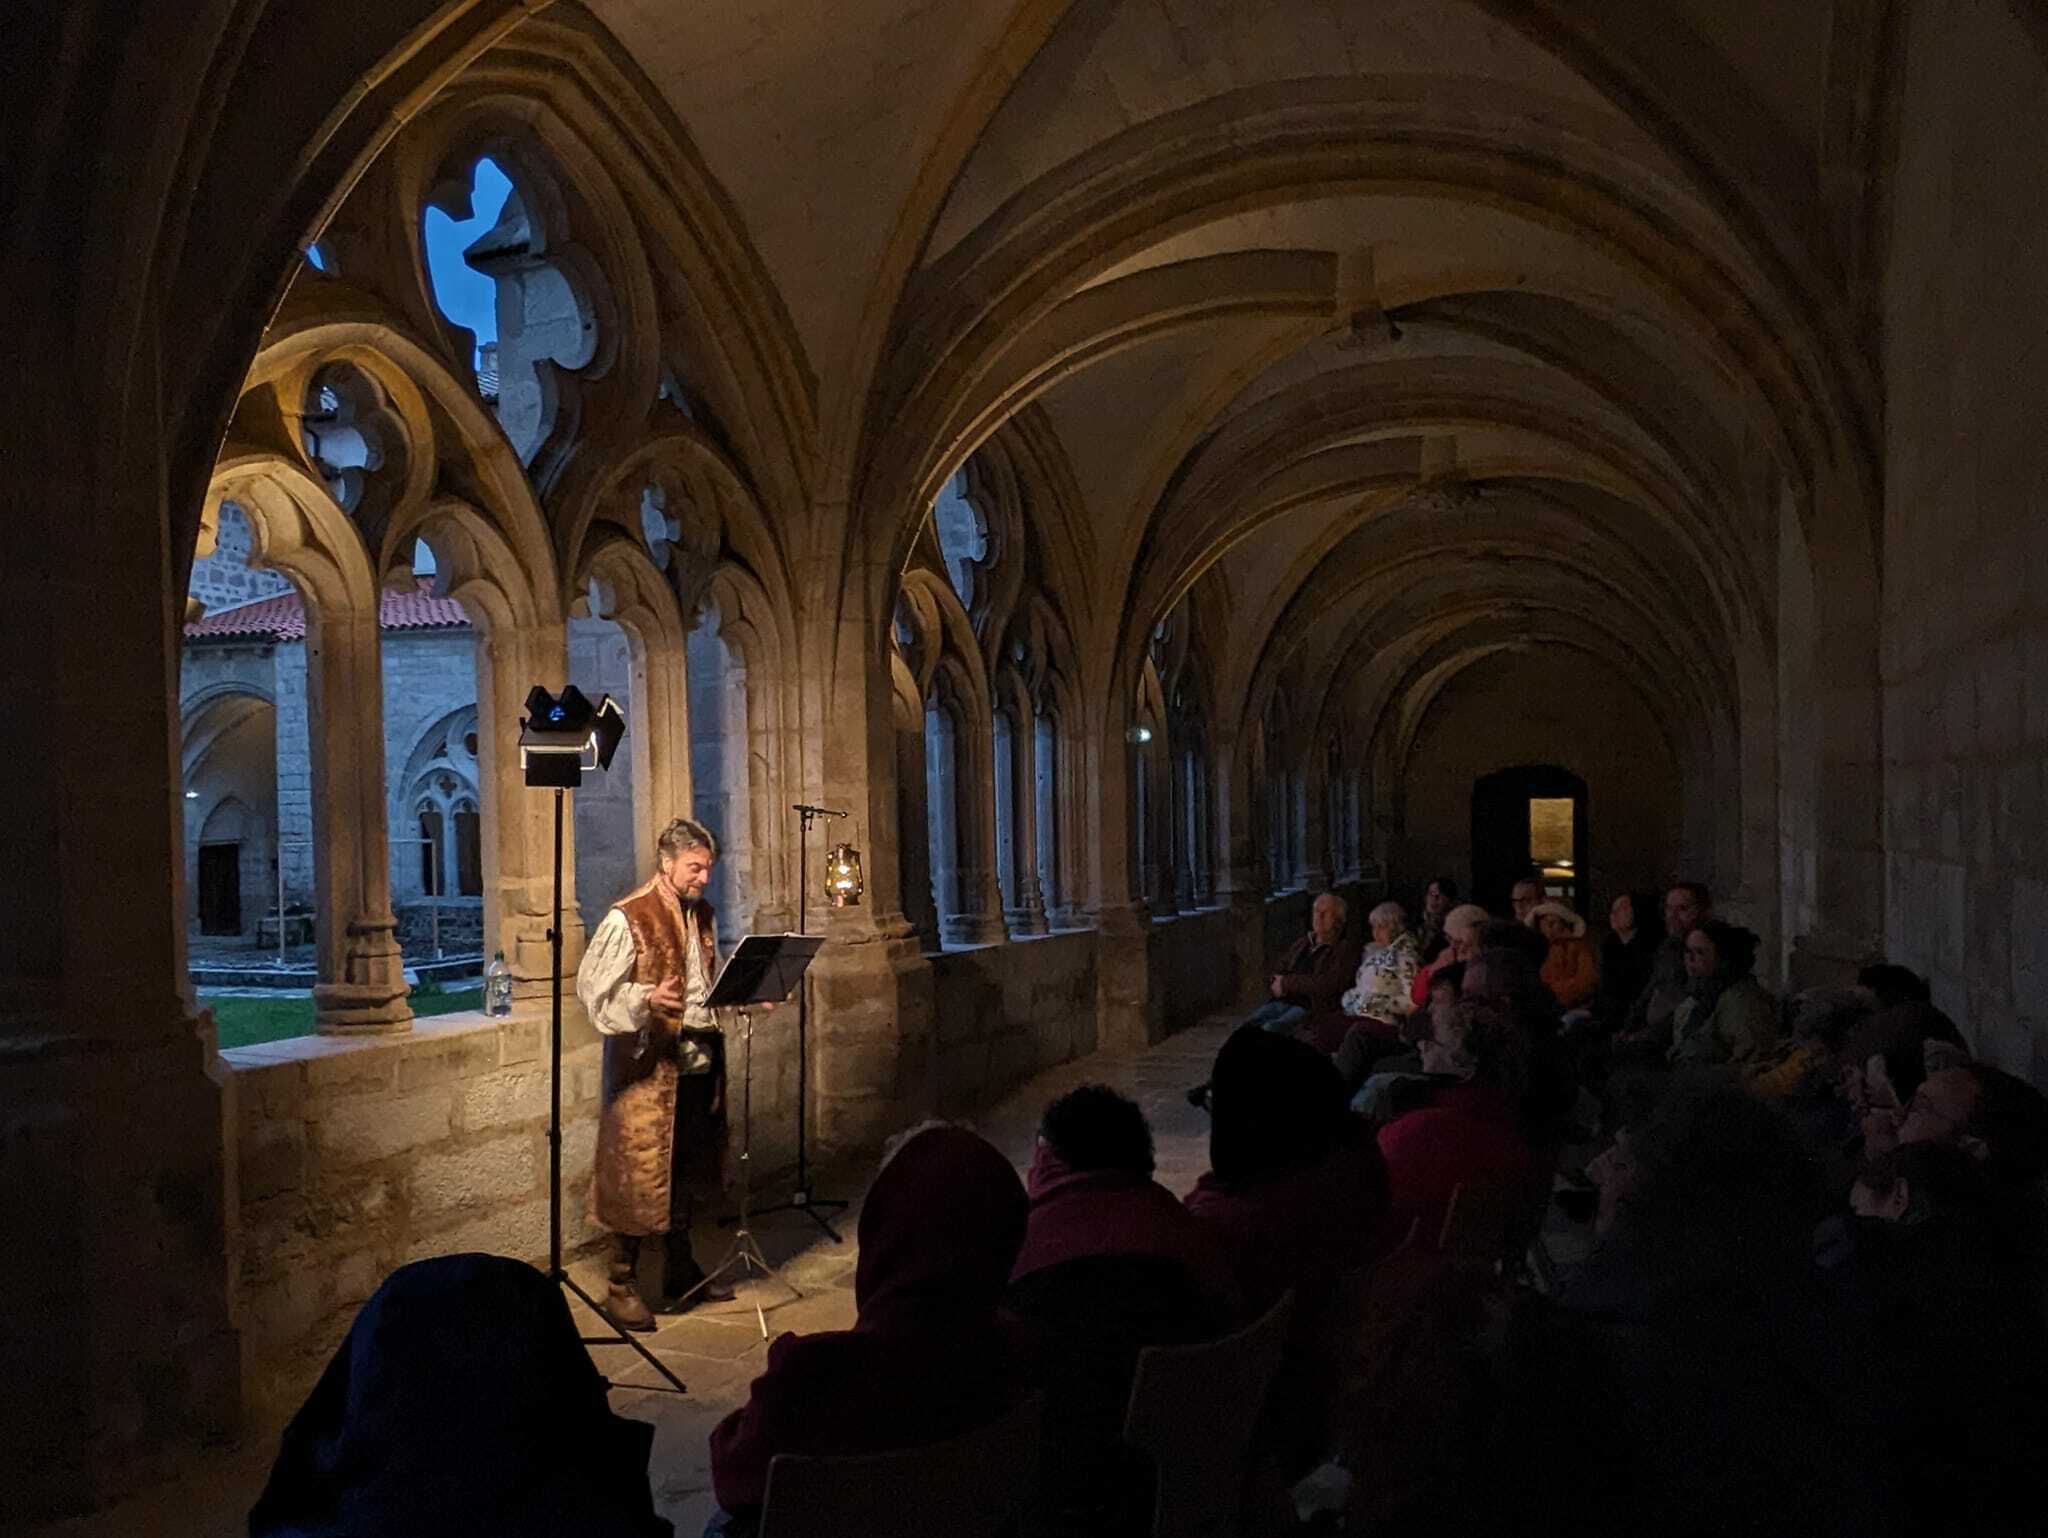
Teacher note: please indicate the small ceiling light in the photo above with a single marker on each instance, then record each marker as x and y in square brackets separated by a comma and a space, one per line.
[191, 795]
[843, 886]
[1141, 734]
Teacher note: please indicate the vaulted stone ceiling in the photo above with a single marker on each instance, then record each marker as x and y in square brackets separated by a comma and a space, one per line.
[1400, 332]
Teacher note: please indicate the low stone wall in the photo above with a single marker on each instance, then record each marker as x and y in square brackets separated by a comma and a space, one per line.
[350, 1157]
[1194, 965]
[1006, 1012]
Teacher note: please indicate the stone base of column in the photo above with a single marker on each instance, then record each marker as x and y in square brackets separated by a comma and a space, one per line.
[371, 997]
[120, 1360]
[975, 929]
[1130, 1012]
[871, 1041]
[1025, 921]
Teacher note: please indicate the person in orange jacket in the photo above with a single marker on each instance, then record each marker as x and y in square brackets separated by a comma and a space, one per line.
[1571, 971]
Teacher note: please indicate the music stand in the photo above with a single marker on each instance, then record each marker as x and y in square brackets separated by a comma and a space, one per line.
[762, 970]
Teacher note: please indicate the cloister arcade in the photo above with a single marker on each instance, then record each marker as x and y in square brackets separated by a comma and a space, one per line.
[1144, 463]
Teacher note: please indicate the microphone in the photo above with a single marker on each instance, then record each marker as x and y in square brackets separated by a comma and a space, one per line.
[817, 811]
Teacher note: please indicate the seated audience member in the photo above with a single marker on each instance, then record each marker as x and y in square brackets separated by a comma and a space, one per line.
[1382, 997]
[1887, 1030]
[1517, 936]
[1112, 1263]
[928, 1358]
[1468, 1131]
[1461, 943]
[1957, 1315]
[1314, 975]
[1384, 1086]
[1296, 1187]
[1523, 897]
[1892, 985]
[1569, 970]
[1698, 1367]
[1635, 930]
[461, 1403]
[1646, 1026]
[1989, 1114]
[1438, 899]
[1802, 1066]
[1727, 1016]
[1512, 980]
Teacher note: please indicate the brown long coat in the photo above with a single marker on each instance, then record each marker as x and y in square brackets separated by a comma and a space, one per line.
[632, 1179]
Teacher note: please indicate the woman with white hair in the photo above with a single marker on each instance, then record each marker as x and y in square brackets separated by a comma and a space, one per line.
[1386, 973]
[1461, 928]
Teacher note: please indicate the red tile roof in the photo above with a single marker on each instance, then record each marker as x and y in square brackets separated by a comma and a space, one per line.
[283, 618]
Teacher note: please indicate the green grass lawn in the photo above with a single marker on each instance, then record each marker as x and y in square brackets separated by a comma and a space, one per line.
[245, 1020]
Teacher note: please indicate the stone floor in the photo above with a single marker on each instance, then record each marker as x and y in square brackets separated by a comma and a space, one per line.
[717, 1353]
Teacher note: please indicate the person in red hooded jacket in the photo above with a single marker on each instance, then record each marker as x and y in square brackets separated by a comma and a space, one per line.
[927, 1359]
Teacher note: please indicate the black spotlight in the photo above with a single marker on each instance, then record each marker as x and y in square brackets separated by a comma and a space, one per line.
[564, 736]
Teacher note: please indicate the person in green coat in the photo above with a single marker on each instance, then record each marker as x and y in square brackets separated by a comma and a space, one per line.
[1727, 1018]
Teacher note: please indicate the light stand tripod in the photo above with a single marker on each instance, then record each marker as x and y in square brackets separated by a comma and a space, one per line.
[804, 1200]
[557, 1273]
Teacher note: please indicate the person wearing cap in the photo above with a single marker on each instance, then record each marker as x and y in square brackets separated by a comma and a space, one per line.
[1570, 971]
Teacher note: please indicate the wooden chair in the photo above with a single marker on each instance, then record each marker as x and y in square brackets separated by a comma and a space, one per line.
[974, 1486]
[1193, 1411]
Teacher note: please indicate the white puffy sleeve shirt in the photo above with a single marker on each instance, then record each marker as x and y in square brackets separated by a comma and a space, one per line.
[616, 1004]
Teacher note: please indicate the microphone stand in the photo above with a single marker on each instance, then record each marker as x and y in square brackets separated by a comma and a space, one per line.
[804, 1200]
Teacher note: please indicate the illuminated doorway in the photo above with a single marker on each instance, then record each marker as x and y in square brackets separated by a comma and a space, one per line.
[1529, 821]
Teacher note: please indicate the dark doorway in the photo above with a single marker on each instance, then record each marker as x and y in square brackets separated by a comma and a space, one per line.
[1524, 820]
[220, 889]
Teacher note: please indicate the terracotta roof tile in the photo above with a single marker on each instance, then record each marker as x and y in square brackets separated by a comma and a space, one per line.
[283, 617]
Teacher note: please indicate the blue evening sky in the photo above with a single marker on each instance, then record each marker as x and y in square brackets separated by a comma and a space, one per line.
[465, 295]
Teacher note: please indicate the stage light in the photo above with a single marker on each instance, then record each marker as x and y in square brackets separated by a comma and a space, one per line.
[842, 876]
[564, 736]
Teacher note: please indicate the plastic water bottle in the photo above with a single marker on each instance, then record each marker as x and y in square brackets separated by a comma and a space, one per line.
[498, 987]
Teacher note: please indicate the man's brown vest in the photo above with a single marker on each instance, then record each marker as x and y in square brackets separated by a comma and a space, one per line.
[631, 1180]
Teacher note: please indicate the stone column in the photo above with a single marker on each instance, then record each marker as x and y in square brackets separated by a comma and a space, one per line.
[913, 827]
[1241, 885]
[518, 822]
[979, 920]
[1315, 852]
[872, 1012]
[1128, 1008]
[1026, 916]
[361, 987]
[119, 1355]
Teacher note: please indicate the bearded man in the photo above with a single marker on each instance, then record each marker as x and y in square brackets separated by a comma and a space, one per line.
[643, 981]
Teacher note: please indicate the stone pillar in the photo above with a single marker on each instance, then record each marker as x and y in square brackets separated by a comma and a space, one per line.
[518, 822]
[913, 826]
[1241, 885]
[361, 986]
[1130, 1011]
[1315, 853]
[979, 920]
[119, 1355]
[1025, 916]
[872, 1015]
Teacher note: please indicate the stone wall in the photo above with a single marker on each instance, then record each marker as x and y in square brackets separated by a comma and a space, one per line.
[1005, 1012]
[225, 579]
[1965, 627]
[350, 1157]
[1546, 707]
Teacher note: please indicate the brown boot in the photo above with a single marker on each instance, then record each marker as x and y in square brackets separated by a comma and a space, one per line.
[622, 1300]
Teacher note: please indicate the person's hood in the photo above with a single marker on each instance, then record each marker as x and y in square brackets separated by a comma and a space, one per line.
[940, 1228]
[1274, 1102]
